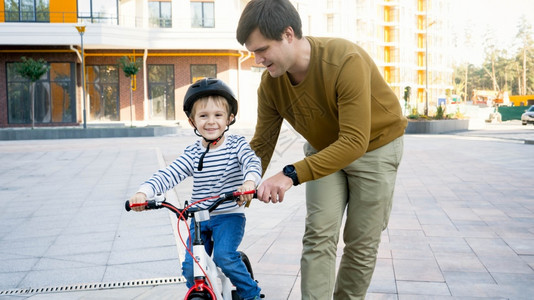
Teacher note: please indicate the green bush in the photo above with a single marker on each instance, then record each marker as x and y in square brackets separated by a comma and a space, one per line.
[130, 68]
[439, 113]
[32, 69]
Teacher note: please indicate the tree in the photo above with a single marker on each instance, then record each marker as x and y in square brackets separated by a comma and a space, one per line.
[505, 68]
[491, 55]
[524, 36]
[468, 42]
[130, 69]
[32, 70]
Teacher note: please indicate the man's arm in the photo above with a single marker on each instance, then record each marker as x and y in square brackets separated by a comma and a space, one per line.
[269, 123]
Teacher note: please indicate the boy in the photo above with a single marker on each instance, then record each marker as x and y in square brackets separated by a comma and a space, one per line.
[218, 164]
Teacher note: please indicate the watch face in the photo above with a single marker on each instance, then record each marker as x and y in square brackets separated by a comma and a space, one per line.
[291, 172]
[289, 169]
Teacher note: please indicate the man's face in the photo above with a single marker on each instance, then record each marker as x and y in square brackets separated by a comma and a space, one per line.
[275, 55]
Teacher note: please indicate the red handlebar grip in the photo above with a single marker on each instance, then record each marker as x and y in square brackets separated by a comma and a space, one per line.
[129, 206]
[244, 193]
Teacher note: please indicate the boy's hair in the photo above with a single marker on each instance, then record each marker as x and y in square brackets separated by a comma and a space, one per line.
[218, 100]
[271, 17]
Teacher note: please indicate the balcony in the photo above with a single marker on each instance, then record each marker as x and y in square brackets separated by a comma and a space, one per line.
[106, 36]
[111, 31]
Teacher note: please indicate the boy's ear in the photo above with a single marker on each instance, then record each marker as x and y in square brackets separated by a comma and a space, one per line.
[191, 123]
[230, 118]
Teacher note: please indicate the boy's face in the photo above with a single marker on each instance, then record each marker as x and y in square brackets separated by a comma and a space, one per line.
[275, 55]
[211, 117]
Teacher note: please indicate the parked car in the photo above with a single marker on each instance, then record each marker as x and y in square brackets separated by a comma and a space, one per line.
[528, 116]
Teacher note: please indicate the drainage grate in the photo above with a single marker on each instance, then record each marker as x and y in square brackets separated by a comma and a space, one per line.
[94, 286]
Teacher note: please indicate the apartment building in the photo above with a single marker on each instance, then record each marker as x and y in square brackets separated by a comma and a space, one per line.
[179, 41]
[410, 41]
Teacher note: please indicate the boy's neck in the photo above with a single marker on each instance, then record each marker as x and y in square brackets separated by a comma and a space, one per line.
[213, 146]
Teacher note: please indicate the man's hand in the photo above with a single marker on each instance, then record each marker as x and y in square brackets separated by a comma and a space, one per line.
[248, 185]
[138, 198]
[274, 188]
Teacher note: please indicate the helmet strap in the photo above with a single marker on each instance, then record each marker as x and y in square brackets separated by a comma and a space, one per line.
[210, 142]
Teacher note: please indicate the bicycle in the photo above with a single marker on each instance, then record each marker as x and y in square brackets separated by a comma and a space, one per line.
[205, 271]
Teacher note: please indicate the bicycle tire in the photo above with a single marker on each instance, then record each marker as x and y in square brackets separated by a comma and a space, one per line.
[235, 296]
[200, 296]
[195, 297]
[247, 263]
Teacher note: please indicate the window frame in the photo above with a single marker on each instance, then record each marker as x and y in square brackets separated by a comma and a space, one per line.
[101, 84]
[46, 83]
[21, 15]
[93, 16]
[199, 73]
[169, 83]
[162, 22]
[203, 20]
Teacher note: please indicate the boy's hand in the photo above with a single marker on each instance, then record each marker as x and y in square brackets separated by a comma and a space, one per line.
[138, 198]
[248, 185]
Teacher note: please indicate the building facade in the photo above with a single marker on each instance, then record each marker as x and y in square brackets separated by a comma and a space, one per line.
[410, 41]
[179, 41]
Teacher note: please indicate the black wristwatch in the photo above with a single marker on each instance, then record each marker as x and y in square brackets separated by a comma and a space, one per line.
[291, 172]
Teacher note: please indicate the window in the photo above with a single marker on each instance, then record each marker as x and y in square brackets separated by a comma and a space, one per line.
[160, 14]
[27, 10]
[329, 23]
[202, 71]
[103, 91]
[54, 96]
[98, 11]
[329, 4]
[161, 92]
[202, 14]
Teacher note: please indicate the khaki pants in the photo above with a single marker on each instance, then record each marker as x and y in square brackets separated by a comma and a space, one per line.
[365, 189]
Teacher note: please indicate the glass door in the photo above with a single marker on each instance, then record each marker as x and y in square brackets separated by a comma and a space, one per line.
[161, 92]
[103, 92]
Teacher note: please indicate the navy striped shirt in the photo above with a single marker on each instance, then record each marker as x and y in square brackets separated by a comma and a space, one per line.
[225, 169]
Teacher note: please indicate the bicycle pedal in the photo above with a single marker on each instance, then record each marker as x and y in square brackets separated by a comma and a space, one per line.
[262, 296]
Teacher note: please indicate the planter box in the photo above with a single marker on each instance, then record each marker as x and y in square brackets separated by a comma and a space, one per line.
[436, 126]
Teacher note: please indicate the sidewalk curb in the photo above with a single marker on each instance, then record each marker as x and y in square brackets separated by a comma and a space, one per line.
[79, 133]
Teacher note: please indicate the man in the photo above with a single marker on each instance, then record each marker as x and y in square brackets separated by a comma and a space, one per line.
[332, 93]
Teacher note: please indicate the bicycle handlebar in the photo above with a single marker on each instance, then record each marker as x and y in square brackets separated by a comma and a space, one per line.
[157, 204]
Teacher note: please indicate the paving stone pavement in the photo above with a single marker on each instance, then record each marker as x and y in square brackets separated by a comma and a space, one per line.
[462, 225]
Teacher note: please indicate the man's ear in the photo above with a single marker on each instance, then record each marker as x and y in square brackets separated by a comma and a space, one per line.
[289, 34]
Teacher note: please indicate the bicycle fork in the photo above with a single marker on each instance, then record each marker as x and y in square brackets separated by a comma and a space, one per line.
[205, 266]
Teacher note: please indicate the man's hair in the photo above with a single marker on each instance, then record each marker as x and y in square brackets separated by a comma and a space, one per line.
[271, 17]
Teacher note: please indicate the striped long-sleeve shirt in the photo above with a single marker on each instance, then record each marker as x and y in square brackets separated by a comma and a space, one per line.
[225, 169]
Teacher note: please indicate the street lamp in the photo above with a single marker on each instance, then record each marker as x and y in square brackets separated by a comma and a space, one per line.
[81, 31]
